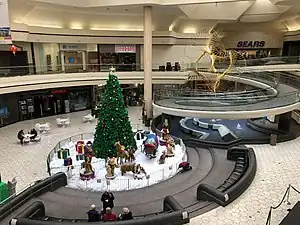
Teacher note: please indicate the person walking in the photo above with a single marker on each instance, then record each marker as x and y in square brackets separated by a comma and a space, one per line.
[107, 200]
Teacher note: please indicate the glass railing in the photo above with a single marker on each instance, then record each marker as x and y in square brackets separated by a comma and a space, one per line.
[216, 103]
[184, 66]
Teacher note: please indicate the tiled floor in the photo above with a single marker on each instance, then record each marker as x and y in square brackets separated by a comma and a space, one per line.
[276, 168]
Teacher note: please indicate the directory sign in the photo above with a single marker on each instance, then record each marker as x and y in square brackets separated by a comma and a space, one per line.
[5, 32]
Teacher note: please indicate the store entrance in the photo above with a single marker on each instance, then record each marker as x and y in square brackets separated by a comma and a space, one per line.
[48, 105]
[126, 62]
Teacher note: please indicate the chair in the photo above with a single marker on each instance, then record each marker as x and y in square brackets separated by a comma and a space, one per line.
[26, 140]
[88, 118]
[59, 122]
[47, 127]
[68, 122]
[38, 127]
[37, 139]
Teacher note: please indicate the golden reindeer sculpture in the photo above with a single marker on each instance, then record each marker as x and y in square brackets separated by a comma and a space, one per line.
[216, 50]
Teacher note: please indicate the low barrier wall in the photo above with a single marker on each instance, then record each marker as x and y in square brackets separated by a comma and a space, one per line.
[208, 193]
[41, 187]
[178, 216]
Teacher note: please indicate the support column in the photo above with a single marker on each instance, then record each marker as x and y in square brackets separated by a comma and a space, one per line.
[148, 60]
[83, 60]
[62, 58]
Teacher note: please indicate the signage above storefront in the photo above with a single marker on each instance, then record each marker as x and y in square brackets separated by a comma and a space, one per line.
[251, 44]
[73, 47]
[125, 48]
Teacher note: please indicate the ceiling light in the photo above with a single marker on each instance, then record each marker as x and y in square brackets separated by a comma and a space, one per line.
[116, 29]
[190, 30]
[45, 26]
[76, 26]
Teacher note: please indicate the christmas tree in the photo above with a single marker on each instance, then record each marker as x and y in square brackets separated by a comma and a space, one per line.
[113, 121]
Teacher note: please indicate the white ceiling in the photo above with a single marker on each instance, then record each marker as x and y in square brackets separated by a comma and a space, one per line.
[180, 15]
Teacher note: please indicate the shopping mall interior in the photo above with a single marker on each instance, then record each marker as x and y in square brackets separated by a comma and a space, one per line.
[104, 102]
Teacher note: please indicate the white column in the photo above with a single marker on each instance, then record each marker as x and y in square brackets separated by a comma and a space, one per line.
[84, 61]
[62, 57]
[148, 60]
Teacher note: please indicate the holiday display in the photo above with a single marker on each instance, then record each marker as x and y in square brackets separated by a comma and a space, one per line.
[165, 131]
[123, 154]
[135, 168]
[162, 158]
[170, 147]
[68, 161]
[81, 176]
[113, 121]
[13, 49]
[110, 168]
[150, 145]
[63, 153]
[87, 172]
[79, 147]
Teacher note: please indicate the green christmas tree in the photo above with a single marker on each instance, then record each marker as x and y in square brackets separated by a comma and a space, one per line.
[113, 121]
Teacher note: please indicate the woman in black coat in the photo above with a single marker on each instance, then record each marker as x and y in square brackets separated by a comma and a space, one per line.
[108, 200]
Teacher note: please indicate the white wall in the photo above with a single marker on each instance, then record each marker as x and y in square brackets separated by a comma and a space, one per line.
[174, 53]
[272, 39]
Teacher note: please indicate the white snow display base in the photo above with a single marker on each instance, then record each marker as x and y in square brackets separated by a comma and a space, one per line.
[155, 172]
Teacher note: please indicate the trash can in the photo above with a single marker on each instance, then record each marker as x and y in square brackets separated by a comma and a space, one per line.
[273, 139]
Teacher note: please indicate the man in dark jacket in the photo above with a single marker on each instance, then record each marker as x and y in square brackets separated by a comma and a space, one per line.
[126, 215]
[21, 136]
[108, 200]
[93, 214]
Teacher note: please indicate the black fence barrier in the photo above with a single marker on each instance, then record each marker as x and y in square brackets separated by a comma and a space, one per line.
[170, 203]
[35, 210]
[207, 193]
[49, 184]
[178, 216]
[173, 218]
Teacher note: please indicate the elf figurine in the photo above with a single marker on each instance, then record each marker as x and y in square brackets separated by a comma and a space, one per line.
[165, 131]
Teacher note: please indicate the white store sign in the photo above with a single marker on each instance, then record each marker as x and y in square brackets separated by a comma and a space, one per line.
[5, 33]
[125, 48]
[73, 47]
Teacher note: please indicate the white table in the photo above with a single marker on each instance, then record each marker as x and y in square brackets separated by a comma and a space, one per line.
[64, 122]
[27, 137]
[43, 127]
[88, 118]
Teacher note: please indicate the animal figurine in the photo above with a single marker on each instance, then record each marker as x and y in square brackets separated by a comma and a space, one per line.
[134, 168]
[216, 50]
[162, 158]
[122, 154]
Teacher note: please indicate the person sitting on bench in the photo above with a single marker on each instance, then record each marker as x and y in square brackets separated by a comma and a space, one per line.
[34, 133]
[185, 166]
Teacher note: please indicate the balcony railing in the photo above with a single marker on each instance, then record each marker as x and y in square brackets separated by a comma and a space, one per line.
[184, 66]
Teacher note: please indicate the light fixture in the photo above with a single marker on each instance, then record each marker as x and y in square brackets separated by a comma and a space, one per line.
[76, 26]
[116, 29]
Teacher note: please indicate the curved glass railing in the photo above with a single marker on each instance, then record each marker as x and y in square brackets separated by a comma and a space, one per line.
[233, 103]
[55, 68]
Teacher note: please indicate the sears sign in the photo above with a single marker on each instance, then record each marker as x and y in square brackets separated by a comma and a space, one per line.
[251, 44]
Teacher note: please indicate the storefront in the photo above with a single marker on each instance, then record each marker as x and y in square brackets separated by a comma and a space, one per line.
[8, 109]
[73, 57]
[44, 103]
[122, 57]
[254, 45]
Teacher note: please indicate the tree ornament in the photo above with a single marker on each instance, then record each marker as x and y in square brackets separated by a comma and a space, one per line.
[13, 49]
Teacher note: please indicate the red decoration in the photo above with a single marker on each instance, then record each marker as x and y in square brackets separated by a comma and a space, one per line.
[13, 49]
